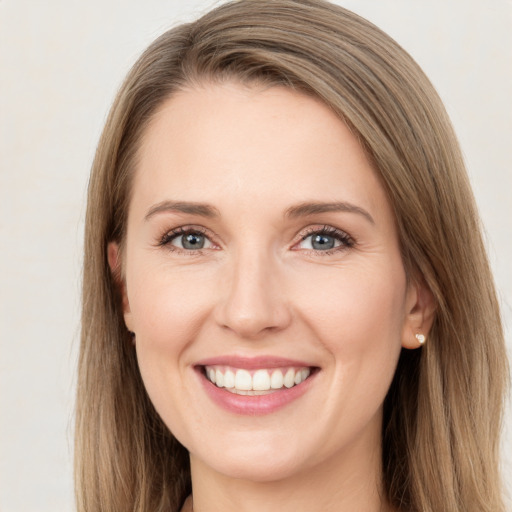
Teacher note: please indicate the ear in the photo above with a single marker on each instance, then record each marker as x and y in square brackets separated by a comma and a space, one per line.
[115, 264]
[420, 307]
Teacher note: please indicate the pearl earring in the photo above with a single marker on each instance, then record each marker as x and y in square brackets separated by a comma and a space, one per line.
[421, 338]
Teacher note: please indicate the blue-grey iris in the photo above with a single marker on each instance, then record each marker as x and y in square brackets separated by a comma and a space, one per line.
[193, 241]
[322, 242]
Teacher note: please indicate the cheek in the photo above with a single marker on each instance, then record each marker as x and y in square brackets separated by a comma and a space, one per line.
[166, 304]
[358, 317]
[364, 303]
[167, 309]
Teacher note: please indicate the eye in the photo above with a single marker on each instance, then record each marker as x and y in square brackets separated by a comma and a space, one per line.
[326, 239]
[190, 241]
[186, 240]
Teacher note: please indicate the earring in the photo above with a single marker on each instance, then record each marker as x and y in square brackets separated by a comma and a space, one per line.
[421, 338]
[132, 336]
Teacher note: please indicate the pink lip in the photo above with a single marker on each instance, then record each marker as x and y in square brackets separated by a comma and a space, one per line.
[252, 363]
[256, 404]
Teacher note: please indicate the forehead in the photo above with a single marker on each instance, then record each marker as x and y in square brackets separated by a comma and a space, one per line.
[270, 146]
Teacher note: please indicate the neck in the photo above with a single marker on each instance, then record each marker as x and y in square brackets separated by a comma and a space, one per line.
[346, 482]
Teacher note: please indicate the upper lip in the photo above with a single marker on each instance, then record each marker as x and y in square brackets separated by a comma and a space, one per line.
[253, 363]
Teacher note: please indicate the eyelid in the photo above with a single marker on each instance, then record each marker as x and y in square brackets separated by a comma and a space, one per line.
[347, 241]
[170, 234]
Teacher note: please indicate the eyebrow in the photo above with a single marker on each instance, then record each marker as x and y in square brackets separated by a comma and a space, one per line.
[300, 210]
[306, 209]
[201, 209]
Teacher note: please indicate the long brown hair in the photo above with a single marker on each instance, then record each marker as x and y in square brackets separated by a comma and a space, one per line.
[443, 412]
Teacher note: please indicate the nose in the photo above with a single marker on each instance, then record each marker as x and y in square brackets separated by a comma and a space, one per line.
[253, 300]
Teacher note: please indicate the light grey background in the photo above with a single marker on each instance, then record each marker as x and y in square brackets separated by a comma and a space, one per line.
[61, 62]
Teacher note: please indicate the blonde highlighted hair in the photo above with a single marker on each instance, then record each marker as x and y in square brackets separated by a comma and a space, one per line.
[443, 412]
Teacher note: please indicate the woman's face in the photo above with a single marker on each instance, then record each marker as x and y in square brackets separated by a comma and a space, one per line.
[262, 254]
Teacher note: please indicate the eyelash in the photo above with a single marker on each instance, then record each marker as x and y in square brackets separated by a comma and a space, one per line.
[171, 235]
[346, 241]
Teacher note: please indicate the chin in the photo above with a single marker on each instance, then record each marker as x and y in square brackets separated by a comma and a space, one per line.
[258, 462]
[261, 471]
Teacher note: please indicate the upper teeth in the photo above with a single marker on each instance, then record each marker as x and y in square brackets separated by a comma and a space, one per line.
[259, 380]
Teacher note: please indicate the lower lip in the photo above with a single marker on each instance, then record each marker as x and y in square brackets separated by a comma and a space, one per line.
[253, 405]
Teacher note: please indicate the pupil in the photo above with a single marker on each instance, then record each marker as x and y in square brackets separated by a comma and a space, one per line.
[193, 241]
[322, 242]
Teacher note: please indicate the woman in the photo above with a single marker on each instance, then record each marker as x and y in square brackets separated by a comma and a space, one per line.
[287, 303]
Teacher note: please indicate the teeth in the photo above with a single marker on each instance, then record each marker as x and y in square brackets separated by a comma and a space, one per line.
[219, 379]
[276, 381]
[289, 378]
[229, 379]
[243, 382]
[261, 380]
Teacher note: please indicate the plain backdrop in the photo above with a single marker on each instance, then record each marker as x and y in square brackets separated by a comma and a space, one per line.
[61, 62]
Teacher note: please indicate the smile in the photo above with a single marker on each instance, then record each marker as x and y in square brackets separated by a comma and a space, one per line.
[255, 385]
[255, 382]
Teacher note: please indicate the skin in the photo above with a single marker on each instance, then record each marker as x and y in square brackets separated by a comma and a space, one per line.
[258, 287]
